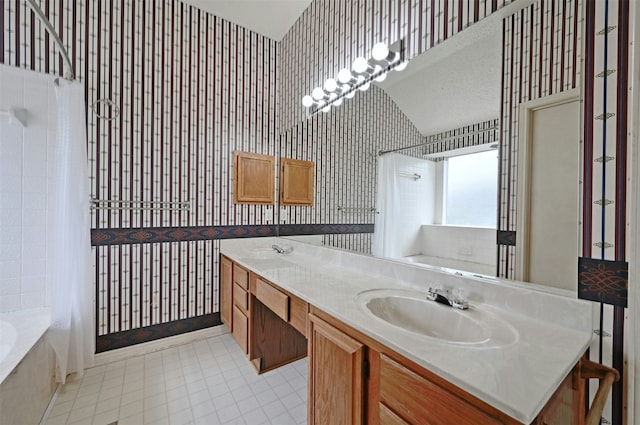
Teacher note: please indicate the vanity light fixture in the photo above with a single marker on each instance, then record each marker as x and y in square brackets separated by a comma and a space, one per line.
[362, 73]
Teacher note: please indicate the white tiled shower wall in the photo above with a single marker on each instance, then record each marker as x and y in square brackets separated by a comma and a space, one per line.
[24, 167]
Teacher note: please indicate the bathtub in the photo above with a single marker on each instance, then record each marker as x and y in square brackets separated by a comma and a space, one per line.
[452, 265]
[27, 366]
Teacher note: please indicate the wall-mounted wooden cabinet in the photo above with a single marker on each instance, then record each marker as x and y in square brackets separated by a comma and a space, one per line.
[296, 182]
[253, 179]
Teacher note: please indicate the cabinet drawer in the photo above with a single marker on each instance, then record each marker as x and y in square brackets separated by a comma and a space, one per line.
[404, 392]
[240, 329]
[240, 277]
[241, 298]
[276, 301]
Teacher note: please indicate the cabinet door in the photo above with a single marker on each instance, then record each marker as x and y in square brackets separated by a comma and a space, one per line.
[254, 178]
[226, 282]
[296, 182]
[336, 381]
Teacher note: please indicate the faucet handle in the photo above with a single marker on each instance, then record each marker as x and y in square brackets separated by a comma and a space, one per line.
[459, 298]
[432, 292]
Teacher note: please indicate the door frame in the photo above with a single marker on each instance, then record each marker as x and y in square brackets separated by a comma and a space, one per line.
[523, 200]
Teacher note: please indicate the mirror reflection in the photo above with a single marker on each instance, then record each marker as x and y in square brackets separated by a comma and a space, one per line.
[436, 203]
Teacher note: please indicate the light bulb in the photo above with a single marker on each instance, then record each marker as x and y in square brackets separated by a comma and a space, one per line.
[317, 93]
[380, 78]
[364, 87]
[344, 76]
[401, 66]
[350, 94]
[326, 109]
[380, 52]
[307, 101]
[360, 65]
[330, 85]
[337, 102]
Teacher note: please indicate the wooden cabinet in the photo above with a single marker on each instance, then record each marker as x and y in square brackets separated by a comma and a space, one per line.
[226, 282]
[351, 373]
[353, 378]
[254, 178]
[336, 376]
[296, 182]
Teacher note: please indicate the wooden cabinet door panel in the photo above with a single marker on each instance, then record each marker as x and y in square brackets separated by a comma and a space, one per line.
[241, 299]
[296, 182]
[254, 178]
[226, 285]
[336, 381]
[387, 417]
[420, 401]
[240, 329]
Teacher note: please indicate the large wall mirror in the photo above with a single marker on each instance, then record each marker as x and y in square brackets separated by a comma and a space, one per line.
[433, 213]
[436, 204]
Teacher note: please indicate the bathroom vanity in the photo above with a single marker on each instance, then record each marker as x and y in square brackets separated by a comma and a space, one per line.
[380, 352]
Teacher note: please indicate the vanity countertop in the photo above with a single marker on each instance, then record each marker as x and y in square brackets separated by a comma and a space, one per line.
[553, 329]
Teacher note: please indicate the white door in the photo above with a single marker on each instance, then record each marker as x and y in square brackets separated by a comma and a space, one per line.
[549, 207]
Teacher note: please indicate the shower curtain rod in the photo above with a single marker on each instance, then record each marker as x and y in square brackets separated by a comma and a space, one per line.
[68, 72]
[431, 142]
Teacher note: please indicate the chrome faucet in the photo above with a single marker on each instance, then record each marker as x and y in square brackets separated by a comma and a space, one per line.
[282, 250]
[444, 296]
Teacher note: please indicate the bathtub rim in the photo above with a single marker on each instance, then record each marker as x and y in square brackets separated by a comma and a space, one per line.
[38, 321]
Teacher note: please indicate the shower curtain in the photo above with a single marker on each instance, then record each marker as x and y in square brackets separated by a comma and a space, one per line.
[387, 224]
[69, 259]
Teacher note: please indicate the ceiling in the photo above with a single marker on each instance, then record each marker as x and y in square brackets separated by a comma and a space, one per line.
[271, 18]
[454, 84]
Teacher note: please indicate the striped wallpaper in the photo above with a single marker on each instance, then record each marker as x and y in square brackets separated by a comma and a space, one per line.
[603, 272]
[191, 88]
[345, 143]
[541, 56]
[330, 34]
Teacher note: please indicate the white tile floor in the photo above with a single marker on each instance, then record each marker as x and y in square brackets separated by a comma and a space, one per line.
[205, 382]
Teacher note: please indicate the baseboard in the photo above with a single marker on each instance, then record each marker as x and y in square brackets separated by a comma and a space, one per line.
[119, 354]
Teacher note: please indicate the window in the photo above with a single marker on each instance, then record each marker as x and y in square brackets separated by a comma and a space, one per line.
[471, 189]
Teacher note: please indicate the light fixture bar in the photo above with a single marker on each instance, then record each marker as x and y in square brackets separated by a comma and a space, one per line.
[392, 60]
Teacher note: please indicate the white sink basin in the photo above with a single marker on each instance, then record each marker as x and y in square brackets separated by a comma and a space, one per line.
[411, 312]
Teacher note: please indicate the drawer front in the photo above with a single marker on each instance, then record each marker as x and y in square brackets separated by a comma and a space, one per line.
[240, 329]
[241, 298]
[272, 298]
[240, 277]
[418, 400]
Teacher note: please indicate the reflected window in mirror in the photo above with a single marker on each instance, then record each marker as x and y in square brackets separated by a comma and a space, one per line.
[470, 189]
